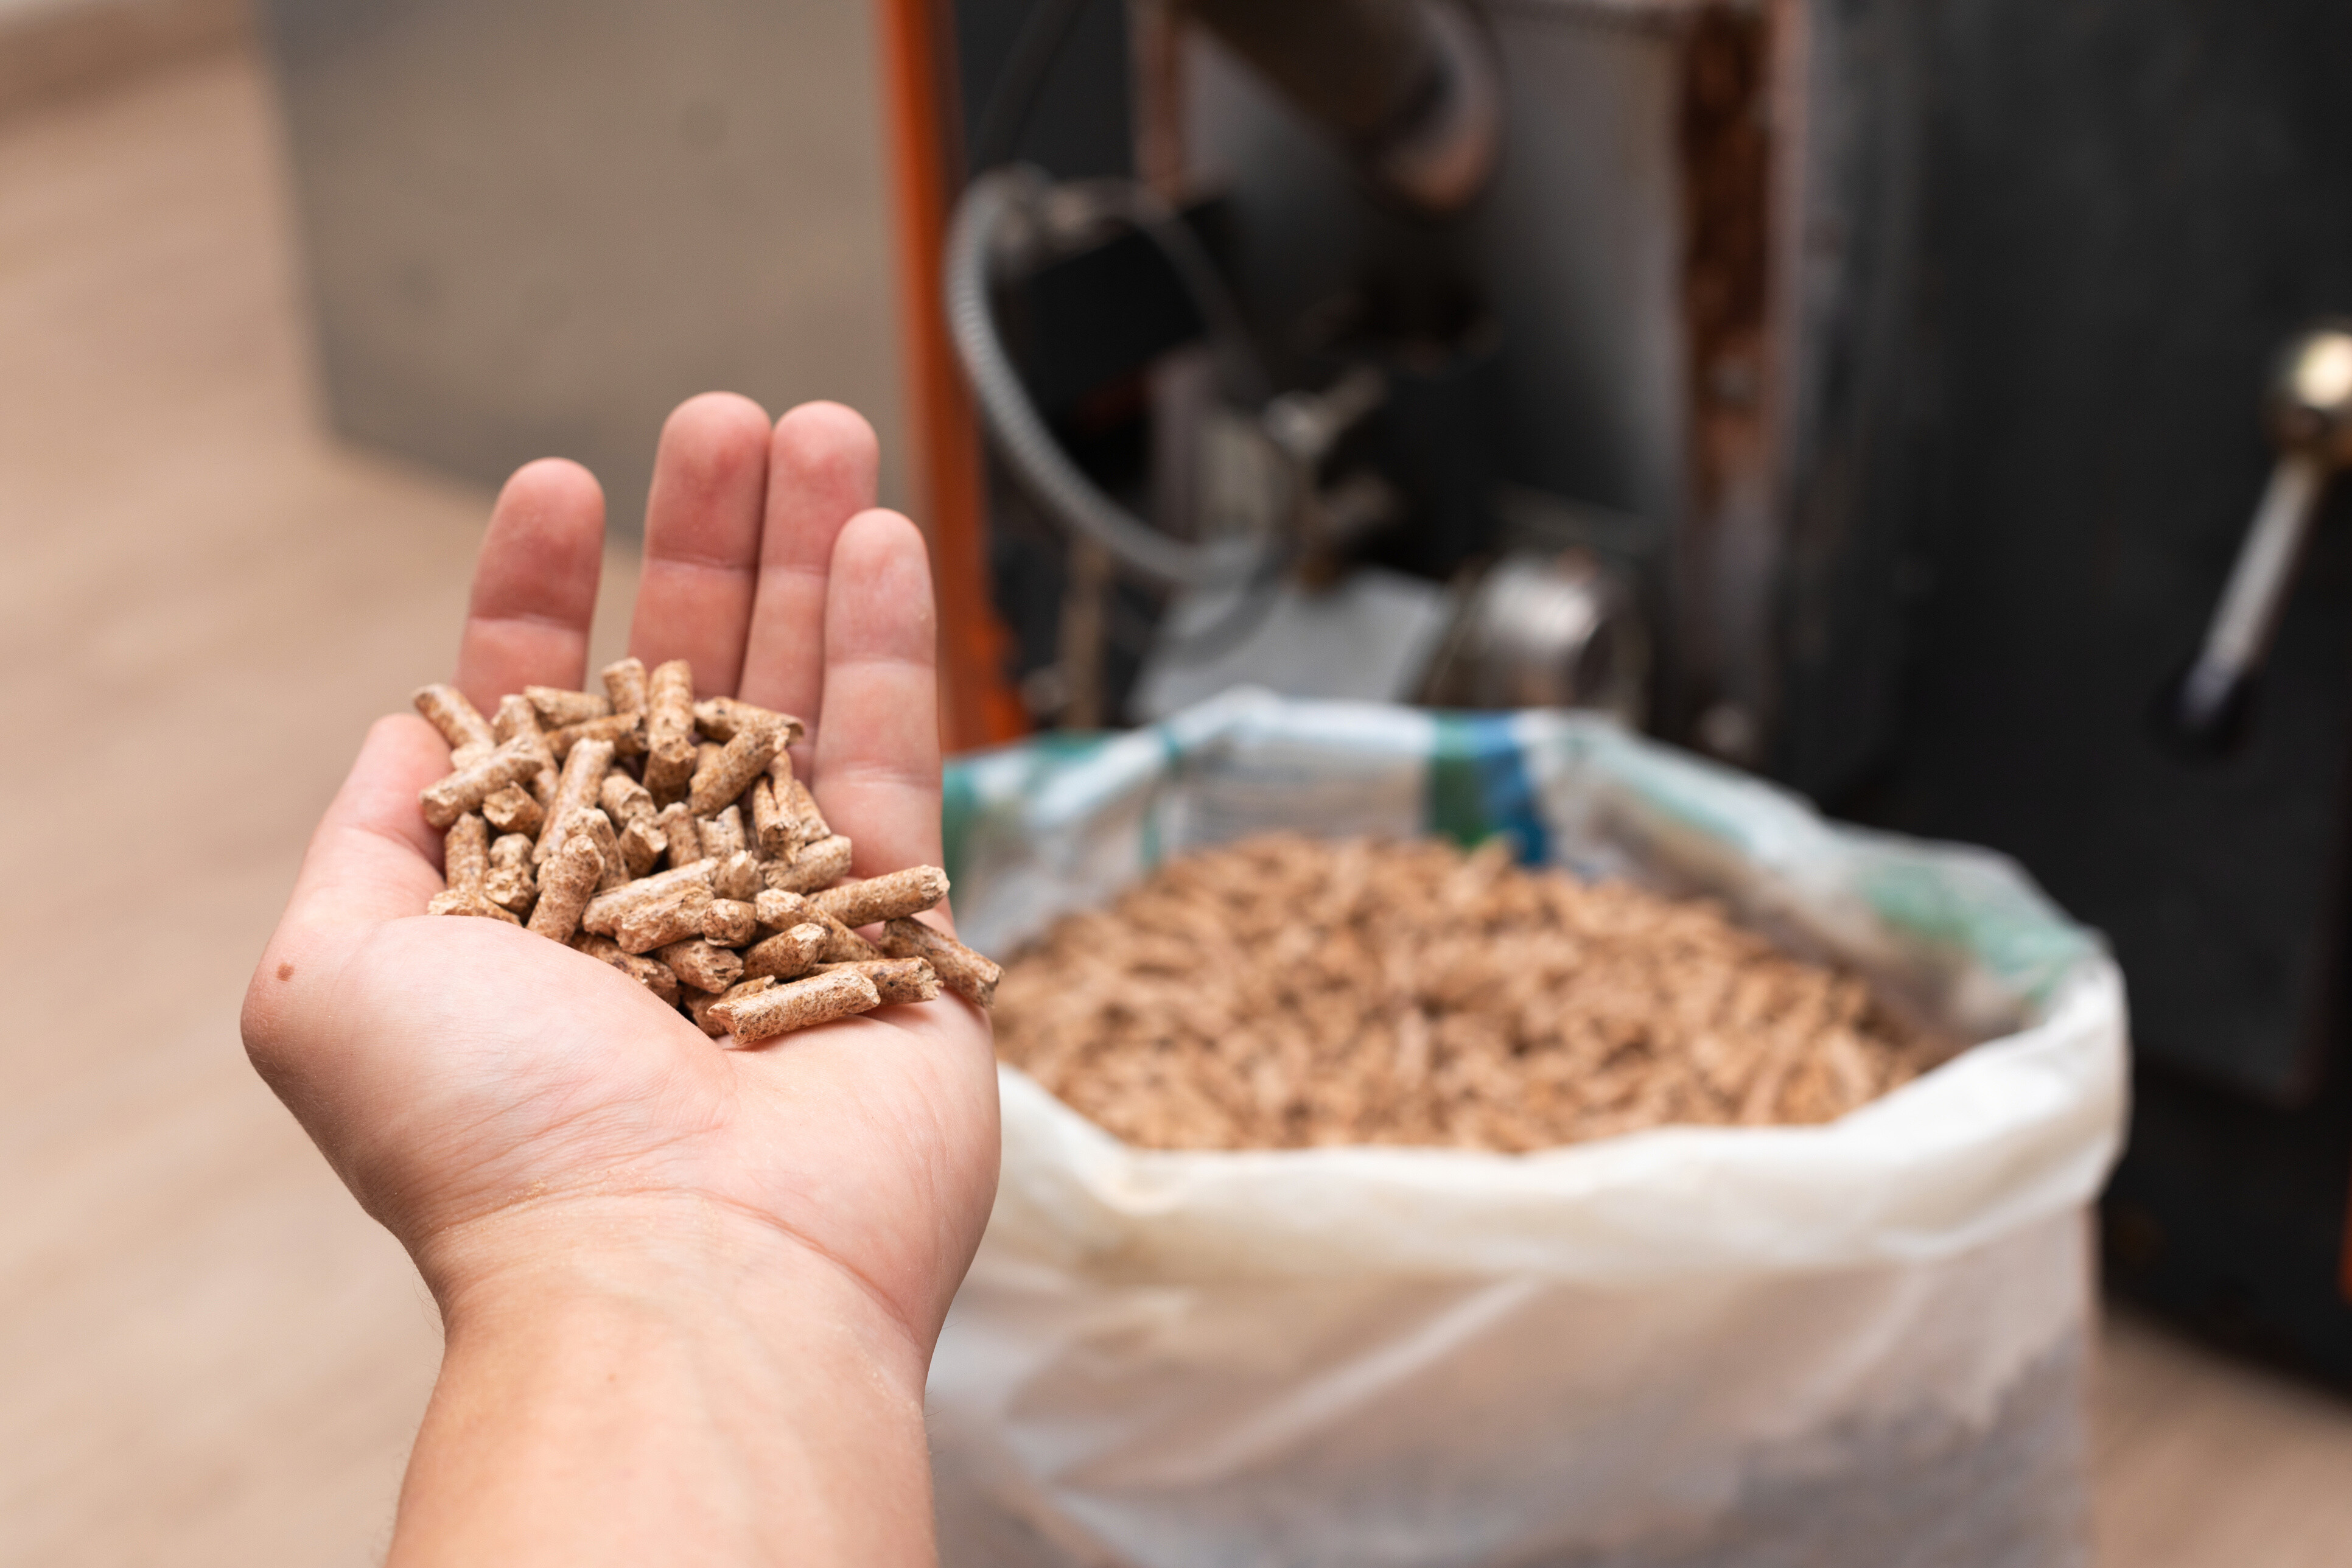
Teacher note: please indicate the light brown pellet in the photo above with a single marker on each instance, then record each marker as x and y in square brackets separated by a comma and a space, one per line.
[512, 810]
[624, 799]
[701, 964]
[771, 830]
[557, 707]
[625, 732]
[699, 1004]
[724, 718]
[597, 825]
[684, 834]
[842, 945]
[899, 980]
[787, 952]
[731, 923]
[722, 835]
[609, 910]
[804, 822]
[465, 854]
[576, 791]
[446, 800]
[510, 884]
[872, 899]
[815, 866]
[461, 724]
[446, 903]
[516, 724]
[669, 730]
[738, 877]
[777, 909]
[652, 973]
[801, 1005]
[962, 970]
[565, 884]
[625, 685]
[673, 917]
[642, 844]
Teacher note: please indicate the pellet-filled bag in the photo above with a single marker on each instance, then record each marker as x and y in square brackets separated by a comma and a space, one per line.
[1858, 1343]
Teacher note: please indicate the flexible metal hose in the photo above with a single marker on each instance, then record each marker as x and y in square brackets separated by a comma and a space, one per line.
[1028, 447]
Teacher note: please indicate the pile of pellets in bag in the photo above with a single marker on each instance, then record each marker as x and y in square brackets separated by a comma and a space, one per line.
[671, 839]
[1286, 992]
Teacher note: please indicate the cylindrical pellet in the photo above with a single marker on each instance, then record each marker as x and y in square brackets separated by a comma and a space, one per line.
[510, 884]
[512, 810]
[465, 854]
[642, 844]
[461, 724]
[883, 898]
[557, 707]
[565, 885]
[454, 903]
[446, 800]
[625, 732]
[786, 953]
[624, 799]
[682, 833]
[699, 1006]
[700, 964]
[738, 877]
[652, 973]
[597, 825]
[899, 980]
[842, 945]
[722, 834]
[801, 1005]
[731, 923]
[719, 779]
[812, 868]
[674, 917]
[805, 824]
[778, 911]
[724, 718]
[608, 910]
[964, 972]
[670, 730]
[576, 791]
[625, 685]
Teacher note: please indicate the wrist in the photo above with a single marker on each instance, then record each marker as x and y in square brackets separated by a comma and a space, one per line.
[662, 1254]
[672, 1358]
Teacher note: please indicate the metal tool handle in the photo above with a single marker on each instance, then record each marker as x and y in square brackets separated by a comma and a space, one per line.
[2215, 688]
[2308, 408]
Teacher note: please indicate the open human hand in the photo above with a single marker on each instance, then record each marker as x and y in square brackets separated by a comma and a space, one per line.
[505, 1105]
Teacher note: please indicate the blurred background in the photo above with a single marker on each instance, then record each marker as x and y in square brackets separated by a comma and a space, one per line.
[1931, 406]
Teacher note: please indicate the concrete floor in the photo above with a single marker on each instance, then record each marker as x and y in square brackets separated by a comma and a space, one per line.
[208, 1355]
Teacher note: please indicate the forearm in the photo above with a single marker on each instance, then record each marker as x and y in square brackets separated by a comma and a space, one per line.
[673, 1398]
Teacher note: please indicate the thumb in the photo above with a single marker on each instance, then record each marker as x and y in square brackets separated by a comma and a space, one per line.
[372, 860]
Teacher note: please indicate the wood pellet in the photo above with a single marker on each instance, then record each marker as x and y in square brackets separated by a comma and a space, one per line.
[1285, 992]
[670, 839]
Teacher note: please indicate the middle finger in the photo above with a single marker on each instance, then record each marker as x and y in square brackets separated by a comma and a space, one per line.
[702, 539]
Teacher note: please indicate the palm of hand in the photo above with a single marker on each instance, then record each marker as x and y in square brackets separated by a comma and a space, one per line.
[456, 1071]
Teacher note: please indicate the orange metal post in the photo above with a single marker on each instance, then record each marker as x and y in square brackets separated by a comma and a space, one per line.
[978, 708]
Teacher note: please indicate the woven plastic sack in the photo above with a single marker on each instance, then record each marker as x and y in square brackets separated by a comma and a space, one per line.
[1860, 1343]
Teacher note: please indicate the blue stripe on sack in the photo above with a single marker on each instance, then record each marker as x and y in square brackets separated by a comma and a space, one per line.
[1479, 785]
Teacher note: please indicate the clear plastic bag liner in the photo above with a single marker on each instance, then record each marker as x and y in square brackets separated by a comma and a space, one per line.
[1860, 1342]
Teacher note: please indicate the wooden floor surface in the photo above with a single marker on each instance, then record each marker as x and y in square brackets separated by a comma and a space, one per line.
[208, 1355]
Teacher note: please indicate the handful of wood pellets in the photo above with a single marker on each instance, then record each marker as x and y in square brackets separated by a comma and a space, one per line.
[1286, 992]
[559, 809]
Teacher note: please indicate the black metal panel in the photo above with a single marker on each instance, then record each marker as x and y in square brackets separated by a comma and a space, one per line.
[1082, 121]
[2128, 205]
